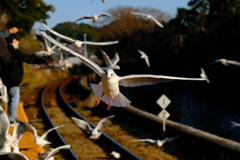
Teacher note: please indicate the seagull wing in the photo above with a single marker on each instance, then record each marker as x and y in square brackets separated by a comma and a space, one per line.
[104, 121]
[44, 135]
[115, 59]
[235, 124]
[169, 139]
[4, 124]
[139, 14]
[100, 43]
[83, 125]
[58, 34]
[96, 68]
[108, 15]
[233, 62]
[145, 56]
[156, 21]
[57, 150]
[84, 17]
[105, 57]
[145, 140]
[148, 79]
[20, 129]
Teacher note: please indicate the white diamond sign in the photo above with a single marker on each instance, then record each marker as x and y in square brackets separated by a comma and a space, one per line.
[164, 115]
[163, 101]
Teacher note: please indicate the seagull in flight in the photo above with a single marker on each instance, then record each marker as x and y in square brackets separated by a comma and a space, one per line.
[144, 56]
[108, 90]
[52, 152]
[94, 133]
[49, 49]
[110, 63]
[157, 142]
[40, 140]
[225, 62]
[78, 43]
[95, 17]
[149, 17]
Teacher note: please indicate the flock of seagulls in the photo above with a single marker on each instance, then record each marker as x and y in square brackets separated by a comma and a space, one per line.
[108, 90]
[9, 143]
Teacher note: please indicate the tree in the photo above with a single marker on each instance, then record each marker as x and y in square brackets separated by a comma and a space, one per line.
[24, 13]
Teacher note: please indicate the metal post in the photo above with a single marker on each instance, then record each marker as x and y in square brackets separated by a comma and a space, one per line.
[164, 128]
[85, 45]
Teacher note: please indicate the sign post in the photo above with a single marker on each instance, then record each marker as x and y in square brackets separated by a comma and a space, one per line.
[163, 102]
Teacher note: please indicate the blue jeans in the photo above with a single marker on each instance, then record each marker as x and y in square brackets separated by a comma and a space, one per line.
[14, 97]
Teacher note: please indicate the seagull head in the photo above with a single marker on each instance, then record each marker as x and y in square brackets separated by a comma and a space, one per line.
[224, 62]
[109, 73]
[78, 44]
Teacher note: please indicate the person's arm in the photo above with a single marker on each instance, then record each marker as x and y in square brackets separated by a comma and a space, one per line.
[5, 56]
[29, 58]
[6, 33]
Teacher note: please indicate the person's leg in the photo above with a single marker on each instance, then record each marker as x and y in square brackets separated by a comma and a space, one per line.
[14, 96]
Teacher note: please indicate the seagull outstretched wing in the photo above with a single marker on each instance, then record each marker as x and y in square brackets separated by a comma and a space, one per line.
[96, 68]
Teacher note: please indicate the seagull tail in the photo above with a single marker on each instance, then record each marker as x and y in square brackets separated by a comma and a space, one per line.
[118, 101]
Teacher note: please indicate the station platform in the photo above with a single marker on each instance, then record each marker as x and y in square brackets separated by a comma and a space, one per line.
[26, 143]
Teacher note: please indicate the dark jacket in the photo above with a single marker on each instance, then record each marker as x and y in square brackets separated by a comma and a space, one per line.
[5, 56]
[4, 33]
[12, 74]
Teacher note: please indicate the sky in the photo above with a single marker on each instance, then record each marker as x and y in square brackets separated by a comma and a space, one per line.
[71, 10]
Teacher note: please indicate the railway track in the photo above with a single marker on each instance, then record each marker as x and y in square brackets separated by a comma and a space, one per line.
[53, 102]
[62, 100]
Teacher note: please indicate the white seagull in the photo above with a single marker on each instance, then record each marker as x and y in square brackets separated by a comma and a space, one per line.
[108, 90]
[95, 17]
[115, 154]
[40, 140]
[225, 62]
[78, 43]
[235, 124]
[94, 133]
[52, 152]
[110, 63]
[144, 56]
[48, 47]
[4, 126]
[12, 156]
[149, 17]
[157, 142]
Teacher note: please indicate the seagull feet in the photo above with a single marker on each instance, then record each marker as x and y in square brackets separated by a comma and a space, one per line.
[161, 148]
[109, 107]
[98, 101]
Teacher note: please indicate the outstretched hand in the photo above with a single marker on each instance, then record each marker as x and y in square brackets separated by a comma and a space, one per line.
[13, 30]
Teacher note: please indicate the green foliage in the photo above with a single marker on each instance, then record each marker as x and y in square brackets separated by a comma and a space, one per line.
[24, 13]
